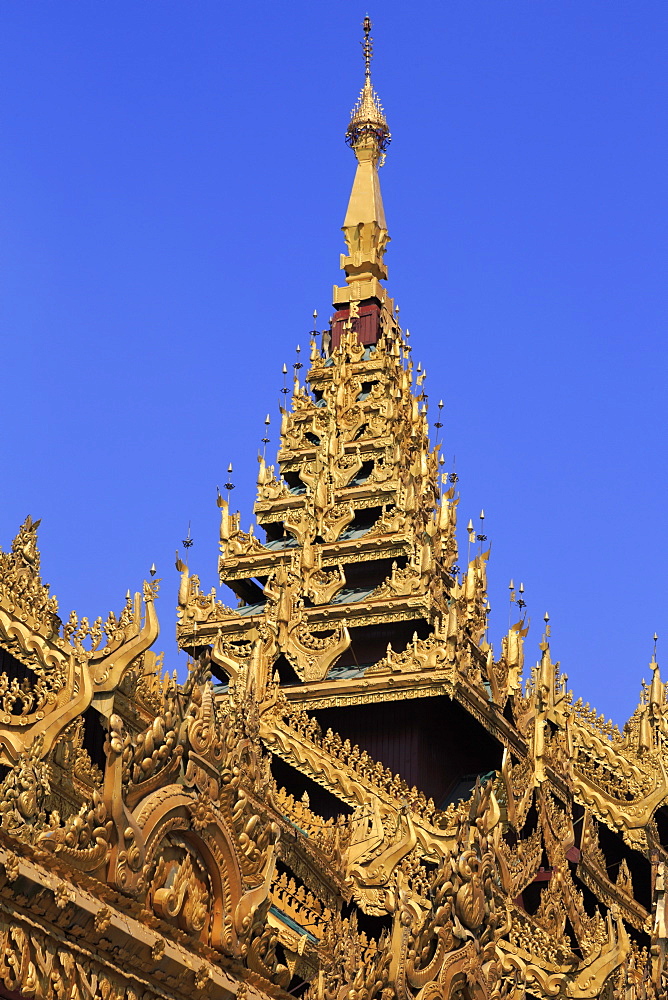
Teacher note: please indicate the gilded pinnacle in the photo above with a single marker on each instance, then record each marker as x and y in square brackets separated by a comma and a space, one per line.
[367, 120]
[364, 226]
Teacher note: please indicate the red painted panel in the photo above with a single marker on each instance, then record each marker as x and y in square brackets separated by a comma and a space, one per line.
[366, 325]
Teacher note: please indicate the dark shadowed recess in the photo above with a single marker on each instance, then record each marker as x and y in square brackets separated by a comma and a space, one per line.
[432, 743]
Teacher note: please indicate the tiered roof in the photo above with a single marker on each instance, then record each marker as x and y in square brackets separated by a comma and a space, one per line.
[353, 795]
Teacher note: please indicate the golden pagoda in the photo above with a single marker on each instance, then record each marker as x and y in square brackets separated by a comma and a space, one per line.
[352, 796]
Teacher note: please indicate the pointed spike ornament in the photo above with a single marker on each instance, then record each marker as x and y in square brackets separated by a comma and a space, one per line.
[229, 485]
[265, 439]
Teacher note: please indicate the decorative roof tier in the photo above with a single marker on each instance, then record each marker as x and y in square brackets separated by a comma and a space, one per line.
[366, 648]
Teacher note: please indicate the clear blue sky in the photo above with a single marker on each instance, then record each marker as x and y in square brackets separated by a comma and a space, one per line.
[173, 181]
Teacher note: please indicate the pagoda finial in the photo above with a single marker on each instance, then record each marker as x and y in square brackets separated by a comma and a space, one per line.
[367, 45]
[364, 226]
[367, 120]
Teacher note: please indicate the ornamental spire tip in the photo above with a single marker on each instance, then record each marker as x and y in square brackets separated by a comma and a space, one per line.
[364, 226]
[367, 120]
[367, 45]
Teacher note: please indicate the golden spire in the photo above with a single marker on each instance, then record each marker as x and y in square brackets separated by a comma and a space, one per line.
[364, 226]
[367, 119]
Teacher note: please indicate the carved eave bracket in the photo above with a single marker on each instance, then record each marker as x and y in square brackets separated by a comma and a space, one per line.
[64, 672]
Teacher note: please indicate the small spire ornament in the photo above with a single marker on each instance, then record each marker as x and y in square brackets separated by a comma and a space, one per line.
[229, 485]
[439, 423]
[521, 603]
[481, 536]
[265, 439]
[367, 120]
